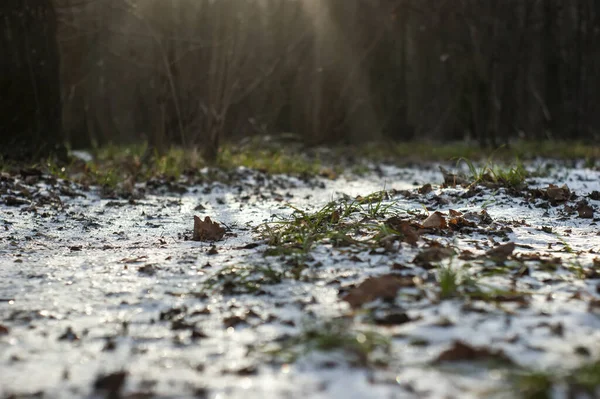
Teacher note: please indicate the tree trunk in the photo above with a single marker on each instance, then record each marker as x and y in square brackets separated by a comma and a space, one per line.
[551, 52]
[30, 106]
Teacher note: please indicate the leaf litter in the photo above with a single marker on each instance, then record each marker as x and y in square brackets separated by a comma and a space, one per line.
[207, 230]
[362, 289]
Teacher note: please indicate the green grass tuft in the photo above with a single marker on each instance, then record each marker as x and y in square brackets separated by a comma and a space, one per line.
[361, 347]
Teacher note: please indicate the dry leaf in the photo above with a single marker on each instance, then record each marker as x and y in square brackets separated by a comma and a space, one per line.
[425, 189]
[585, 211]
[335, 217]
[467, 255]
[433, 254]
[391, 318]
[138, 259]
[383, 287]
[408, 233]
[459, 222]
[452, 179]
[435, 221]
[111, 383]
[501, 252]
[207, 230]
[463, 352]
[558, 194]
[148, 270]
[454, 213]
[484, 217]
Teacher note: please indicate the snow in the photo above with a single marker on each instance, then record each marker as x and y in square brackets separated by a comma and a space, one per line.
[77, 267]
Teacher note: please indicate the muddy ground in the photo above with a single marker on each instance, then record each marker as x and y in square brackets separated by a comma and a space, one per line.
[398, 283]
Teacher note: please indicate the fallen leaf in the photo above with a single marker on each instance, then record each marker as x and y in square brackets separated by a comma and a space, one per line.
[134, 260]
[467, 255]
[4, 330]
[207, 230]
[425, 189]
[408, 233]
[391, 318]
[457, 223]
[182, 324]
[433, 254]
[453, 179]
[111, 383]
[435, 221]
[382, 287]
[234, 321]
[335, 217]
[514, 297]
[501, 252]
[454, 213]
[69, 335]
[252, 245]
[460, 351]
[11, 200]
[387, 242]
[484, 217]
[400, 266]
[172, 313]
[558, 194]
[244, 371]
[197, 334]
[585, 211]
[444, 322]
[148, 269]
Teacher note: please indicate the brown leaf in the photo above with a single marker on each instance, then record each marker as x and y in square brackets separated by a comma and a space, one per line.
[514, 297]
[558, 194]
[335, 217]
[457, 223]
[234, 321]
[454, 213]
[433, 254]
[425, 189]
[137, 259]
[466, 255]
[207, 230]
[408, 233]
[111, 383]
[4, 330]
[435, 221]
[148, 269]
[585, 211]
[391, 318]
[461, 352]
[501, 252]
[69, 335]
[382, 287]
[452, 179]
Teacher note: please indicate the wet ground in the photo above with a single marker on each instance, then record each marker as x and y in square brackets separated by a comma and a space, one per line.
[418, 291]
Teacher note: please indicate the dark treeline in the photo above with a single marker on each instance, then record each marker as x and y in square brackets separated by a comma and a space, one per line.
[195, 72]
[30, 91]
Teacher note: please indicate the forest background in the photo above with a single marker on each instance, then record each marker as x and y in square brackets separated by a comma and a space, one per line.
[86, 73]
